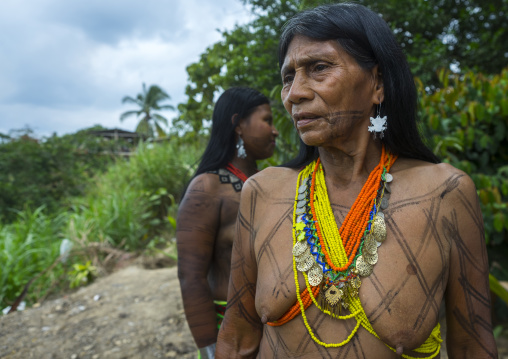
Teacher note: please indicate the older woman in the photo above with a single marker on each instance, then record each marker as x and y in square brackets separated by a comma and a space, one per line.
[242, 132]
[349, 250]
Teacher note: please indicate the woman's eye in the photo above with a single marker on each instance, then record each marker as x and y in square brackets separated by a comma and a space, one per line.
[288, 79]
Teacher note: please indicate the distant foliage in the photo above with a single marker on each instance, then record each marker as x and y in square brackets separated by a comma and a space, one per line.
[467, 119]
[28, 246]
[129, 207]
[130, 204]
[47, 172]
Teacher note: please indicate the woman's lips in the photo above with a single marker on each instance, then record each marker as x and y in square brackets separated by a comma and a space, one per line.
[303, 119]
[302, 122]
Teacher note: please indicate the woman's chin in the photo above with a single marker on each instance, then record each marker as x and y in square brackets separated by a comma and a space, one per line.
[311, 139]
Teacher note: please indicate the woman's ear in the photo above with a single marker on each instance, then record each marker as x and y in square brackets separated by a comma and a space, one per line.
[379, 91]
[234, 120]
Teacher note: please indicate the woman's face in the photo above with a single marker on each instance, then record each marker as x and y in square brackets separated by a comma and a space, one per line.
[259, 133]
[328, 95]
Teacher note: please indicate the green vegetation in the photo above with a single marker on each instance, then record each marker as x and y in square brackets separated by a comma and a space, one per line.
[47, 172]
[130, 207]
[130, 204]
[28, 246]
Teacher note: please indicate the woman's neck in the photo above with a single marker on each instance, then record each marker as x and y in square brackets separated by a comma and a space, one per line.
[246, 165]
[347, 165]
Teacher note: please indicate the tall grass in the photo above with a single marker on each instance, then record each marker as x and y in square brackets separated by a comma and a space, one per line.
[28, 246]
[129, 205]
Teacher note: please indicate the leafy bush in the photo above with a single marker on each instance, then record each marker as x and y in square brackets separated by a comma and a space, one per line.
[467, 120]
[28, 246]
[129, 204]
[36, 172]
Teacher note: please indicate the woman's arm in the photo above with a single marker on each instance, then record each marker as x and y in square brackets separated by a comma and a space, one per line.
[468, 305]
[197, 226]
[241, 330]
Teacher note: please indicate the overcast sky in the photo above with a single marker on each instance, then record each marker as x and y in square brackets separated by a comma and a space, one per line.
[66, 64]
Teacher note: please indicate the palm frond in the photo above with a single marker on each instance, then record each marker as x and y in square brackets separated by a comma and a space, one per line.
[126, 114]
[166, 107]
[160, 118]
[160, 130]
[144, 128]
[128, 99]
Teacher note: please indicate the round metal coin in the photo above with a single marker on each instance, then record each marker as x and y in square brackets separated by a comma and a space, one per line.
[372, 258]
[315, 275]
[370, 245]
[388, 177]
[306, 264]
[378, 229]
[384, 203]
[299, 248]
[364, 269]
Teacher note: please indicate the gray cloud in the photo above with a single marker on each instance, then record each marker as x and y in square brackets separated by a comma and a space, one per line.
[65, 64]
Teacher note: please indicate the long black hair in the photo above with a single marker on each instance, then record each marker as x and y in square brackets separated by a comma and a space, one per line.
[365, 36]
[239, 101]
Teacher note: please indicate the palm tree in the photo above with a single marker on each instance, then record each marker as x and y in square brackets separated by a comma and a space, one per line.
[149, 101]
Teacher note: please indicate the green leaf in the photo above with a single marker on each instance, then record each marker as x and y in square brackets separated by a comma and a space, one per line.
[172, 221]
[497, 288]
[499, 221]
[471, 111]
[480, 111]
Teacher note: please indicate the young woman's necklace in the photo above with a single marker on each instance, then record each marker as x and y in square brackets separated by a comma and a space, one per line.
[237, 172]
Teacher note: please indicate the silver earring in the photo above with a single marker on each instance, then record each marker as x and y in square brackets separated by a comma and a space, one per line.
[240, 148]
[378, 124]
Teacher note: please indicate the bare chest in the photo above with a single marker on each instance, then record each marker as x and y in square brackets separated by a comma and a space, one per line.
[401, 297]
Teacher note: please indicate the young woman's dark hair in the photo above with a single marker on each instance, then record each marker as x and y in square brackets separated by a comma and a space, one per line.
[239, 101]
[369, 40]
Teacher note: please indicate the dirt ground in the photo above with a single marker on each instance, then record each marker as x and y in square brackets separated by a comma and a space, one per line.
[132, 313]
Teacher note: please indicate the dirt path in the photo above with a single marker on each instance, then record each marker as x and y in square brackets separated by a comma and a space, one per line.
[132, 313]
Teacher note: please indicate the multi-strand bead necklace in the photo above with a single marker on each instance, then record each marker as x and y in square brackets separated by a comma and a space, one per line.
[336, 258]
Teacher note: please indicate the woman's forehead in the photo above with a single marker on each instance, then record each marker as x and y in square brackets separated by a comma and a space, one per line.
[303, 49]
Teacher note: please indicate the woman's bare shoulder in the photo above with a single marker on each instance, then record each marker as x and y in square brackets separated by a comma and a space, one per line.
[204, 183]
[434, 176]
[273, 177]
[272, 182]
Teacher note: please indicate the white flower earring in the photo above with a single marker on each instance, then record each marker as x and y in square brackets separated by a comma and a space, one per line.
[240, 149]
[378, 124]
